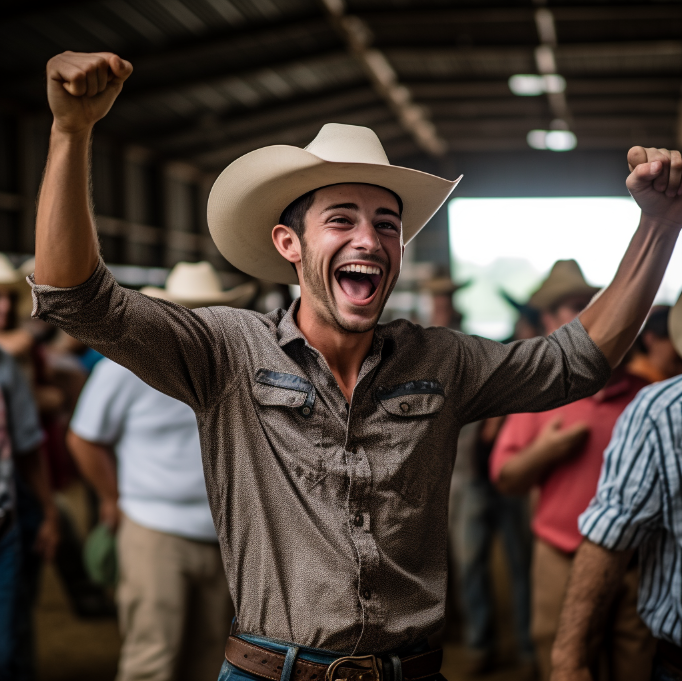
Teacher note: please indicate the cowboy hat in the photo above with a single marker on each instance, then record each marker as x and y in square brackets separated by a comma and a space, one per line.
[249, 196]
[675, 325]
[198, 285]
[9, 275]
[565, 279]
[443, 286]
[15, 280]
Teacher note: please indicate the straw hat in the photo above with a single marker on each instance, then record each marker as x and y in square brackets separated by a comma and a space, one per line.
[198, 285]
[9, 276]
[675, 325]
[252, 192]
[565, 279]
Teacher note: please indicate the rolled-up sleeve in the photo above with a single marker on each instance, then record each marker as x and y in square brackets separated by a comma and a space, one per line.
[628, 500]
[531, 375]
[183, 353]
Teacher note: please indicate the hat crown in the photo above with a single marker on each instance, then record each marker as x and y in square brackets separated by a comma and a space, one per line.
[189, 279]
[8, 274]
[567, 272]
[341, 143]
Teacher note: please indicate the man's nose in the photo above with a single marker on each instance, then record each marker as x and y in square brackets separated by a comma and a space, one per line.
[365, 237]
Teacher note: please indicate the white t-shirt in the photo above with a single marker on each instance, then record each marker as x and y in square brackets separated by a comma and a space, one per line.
[156, 440]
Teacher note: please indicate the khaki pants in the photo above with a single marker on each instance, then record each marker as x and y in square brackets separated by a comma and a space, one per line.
[173, 604]
[625, 651]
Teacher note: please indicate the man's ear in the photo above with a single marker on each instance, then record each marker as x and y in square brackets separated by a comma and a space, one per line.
[287, 243]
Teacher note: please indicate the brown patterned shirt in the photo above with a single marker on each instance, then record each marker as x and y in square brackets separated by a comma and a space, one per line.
[332, 518]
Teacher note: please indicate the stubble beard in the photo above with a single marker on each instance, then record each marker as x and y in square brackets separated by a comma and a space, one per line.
[324, 302]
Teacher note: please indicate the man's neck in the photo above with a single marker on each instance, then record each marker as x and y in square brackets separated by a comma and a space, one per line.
[344, 352]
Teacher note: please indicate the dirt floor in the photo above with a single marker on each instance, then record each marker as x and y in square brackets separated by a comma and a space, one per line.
[73, 649]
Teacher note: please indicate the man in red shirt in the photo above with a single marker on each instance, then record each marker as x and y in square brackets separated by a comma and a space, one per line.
[560, 452]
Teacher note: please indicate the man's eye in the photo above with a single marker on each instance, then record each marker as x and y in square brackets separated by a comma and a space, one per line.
[340, 219]
[386, 225]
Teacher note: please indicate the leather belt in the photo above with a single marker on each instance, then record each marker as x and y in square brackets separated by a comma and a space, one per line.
[670, 654]
[268, 664]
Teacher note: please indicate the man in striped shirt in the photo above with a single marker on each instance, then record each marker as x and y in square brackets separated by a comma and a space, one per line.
[638, 506]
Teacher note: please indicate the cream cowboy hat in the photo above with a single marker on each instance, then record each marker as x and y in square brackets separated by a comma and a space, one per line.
[675, 325]
[249, 196]
[565, 279]
[9, 275]
[198, 285]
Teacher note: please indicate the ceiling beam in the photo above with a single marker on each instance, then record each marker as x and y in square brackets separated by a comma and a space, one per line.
[271, 118]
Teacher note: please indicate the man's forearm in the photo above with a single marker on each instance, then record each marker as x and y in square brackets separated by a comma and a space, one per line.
[614, 319]
[595, 577]
[67, 250]
[524, 470]
[96, 464]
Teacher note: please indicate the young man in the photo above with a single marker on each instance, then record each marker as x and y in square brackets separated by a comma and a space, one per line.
[327, 440]
[637, 508]
[560, 453]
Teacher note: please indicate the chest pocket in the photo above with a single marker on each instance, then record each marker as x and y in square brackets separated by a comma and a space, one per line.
[292, 421]
[409, 411]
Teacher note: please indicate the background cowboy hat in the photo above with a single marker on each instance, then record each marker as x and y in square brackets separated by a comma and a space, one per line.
[198, 285]
[249, 196]
[564, 280]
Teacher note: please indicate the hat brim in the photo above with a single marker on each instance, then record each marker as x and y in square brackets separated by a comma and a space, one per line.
[249, 196]
[239, 297]
[544, 300]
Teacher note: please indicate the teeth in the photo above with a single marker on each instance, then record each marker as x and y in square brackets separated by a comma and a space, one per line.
[361, 269]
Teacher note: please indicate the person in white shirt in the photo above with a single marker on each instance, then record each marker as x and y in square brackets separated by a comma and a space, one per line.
[140, 450]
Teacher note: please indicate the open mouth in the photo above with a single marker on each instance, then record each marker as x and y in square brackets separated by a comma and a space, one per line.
[359, 282]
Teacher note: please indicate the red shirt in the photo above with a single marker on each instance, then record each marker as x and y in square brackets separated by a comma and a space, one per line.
[570, 486]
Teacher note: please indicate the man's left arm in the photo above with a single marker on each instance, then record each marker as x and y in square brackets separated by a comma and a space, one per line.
[614, 319]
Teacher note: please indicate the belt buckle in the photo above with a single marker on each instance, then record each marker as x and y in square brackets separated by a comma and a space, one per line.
[366, 668]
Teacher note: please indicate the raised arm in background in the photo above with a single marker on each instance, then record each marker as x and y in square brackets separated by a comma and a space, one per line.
[596, 576]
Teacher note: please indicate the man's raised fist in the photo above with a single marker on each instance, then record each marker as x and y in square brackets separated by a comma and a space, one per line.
[81, 87]
[655, 182]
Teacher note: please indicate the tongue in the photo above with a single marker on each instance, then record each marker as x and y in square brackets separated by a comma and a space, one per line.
[360, 289]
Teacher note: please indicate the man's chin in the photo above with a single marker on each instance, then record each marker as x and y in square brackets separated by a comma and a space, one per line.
[362, 322]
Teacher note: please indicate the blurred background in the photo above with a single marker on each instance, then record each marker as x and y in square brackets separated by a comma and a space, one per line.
[536, 103]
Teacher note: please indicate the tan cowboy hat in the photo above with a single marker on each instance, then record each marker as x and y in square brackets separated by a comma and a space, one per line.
[198, 285]
[443, 286]
[565, 279]
[9, 275]
[252, 192]
[13, 278]
[675, 325]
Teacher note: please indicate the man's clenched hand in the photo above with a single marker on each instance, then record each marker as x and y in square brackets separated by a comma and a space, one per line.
[655, 182]
[81, 87]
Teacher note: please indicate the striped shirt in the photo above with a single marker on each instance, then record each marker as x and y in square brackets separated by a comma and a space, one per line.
[639, 502]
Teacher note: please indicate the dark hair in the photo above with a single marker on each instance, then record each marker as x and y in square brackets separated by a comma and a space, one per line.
[657, 322]
[294, 214]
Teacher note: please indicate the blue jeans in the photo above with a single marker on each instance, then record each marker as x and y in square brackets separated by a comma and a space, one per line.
[10, 560]
[232, 673]
[483, 511]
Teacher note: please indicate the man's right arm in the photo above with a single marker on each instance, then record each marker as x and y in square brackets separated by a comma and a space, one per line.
[81, 89]
[595, 578]
[183, 353]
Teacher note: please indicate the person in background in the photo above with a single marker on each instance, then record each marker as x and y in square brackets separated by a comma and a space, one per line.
[173, 603]
[560, 452]
[477, 513]
[654, 355]
[637, 511]
[20, 458]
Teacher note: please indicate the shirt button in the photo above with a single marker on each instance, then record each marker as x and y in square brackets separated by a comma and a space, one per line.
[405, 407]
[306, 411]
[367, 594]
[359, 520]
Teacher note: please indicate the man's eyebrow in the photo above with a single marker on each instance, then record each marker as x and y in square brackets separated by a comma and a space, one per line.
[388, 211]
[354, 206]
[349, 206]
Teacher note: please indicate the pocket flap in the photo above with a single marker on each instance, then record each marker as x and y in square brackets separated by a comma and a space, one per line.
[416, 398]
[276, 389]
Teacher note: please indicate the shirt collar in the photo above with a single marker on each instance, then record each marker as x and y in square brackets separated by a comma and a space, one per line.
[288, 331]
